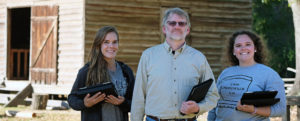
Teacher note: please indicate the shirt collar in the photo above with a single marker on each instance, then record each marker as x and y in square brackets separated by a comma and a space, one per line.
[169, 49]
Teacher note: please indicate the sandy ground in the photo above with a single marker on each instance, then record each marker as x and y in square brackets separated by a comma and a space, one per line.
[72, 115]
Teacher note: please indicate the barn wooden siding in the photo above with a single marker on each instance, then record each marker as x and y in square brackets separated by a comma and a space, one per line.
[213, 21]
[70, 53]
[71, 40]
[138, 23]
[2, 39]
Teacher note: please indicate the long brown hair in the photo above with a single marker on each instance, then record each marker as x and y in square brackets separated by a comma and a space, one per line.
[98, 72]
[259, 55]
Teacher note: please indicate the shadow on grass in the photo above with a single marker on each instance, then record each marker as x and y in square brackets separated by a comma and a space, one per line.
[2, 116]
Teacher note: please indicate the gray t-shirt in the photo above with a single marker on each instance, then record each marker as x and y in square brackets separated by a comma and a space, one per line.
[236, 80]
[111, 112]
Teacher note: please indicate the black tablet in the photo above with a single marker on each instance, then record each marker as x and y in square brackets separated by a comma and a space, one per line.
[261, 102]
[199, 91]
[259, 95]
[260, 98]
[107, 88]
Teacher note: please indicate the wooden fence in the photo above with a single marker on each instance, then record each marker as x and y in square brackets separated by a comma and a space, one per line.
[292, 101]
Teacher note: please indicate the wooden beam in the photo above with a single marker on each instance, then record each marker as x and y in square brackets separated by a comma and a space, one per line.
[5, 98]
[64, 89]
[18, 64]
[43, 69]
[45, 18]
[293, 100]
[288, 79]
[287, 117]
[290, 101]
[20, 96]
[14, 86]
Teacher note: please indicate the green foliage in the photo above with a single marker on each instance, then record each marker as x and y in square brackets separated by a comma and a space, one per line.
[273, 20]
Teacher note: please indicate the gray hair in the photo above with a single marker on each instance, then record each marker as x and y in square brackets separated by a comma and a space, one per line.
[177, 11]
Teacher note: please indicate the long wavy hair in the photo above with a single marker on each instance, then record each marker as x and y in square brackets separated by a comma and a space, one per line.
[98, 72]
[259, 55]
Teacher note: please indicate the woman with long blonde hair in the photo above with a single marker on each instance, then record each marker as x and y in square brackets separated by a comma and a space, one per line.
[102, 67]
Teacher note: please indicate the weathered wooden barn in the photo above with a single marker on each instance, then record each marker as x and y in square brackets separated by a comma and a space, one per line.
[47, 41]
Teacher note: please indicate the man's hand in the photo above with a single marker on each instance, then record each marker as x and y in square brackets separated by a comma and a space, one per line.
[114, 100]
[189, 107]
[90, 101]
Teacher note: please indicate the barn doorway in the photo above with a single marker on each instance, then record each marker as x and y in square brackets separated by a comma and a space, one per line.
[18, 43]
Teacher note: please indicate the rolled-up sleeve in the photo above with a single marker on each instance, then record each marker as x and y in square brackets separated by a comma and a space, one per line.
[212, 95]
[276, 83]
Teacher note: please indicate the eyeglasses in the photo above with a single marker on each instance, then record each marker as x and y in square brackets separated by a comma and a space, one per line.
[173, 23]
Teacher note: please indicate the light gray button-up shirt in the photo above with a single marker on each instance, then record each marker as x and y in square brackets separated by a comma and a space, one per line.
[164, 80]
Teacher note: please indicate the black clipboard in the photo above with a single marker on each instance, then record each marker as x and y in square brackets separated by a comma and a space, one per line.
[260, 98]
[108, 88]
[199, 91]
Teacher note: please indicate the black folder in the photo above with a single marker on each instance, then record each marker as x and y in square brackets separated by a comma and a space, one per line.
[107, 88]
[260, 98]
[199, 91]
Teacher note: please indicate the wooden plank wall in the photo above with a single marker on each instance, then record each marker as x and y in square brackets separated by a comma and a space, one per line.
[70, 40]
[213, 22]
[2, 38]
[70, 34]
[138, 23]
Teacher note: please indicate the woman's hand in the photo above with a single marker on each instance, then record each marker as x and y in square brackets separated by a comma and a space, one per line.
[90, 101]
[262, 111]
[114, 100]
[245, 108]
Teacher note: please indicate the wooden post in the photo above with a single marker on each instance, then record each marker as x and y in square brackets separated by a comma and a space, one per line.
[286, 117]
[290, 101]
[39, 101]
[298, 113]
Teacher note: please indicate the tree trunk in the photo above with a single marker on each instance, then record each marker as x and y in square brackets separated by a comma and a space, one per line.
[295, 5]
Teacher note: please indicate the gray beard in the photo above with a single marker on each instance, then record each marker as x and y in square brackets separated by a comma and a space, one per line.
[176, 38]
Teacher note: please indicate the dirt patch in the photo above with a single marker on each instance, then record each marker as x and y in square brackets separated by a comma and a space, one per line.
[72, 115]
[42, 115]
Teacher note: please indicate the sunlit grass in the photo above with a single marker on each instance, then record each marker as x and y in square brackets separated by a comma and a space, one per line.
[71, 115]
[42, 115]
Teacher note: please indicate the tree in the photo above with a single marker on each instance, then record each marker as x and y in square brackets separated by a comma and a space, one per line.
[273, 21]
[295, 5]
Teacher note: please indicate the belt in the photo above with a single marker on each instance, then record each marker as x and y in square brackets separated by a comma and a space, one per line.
[185, 119]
